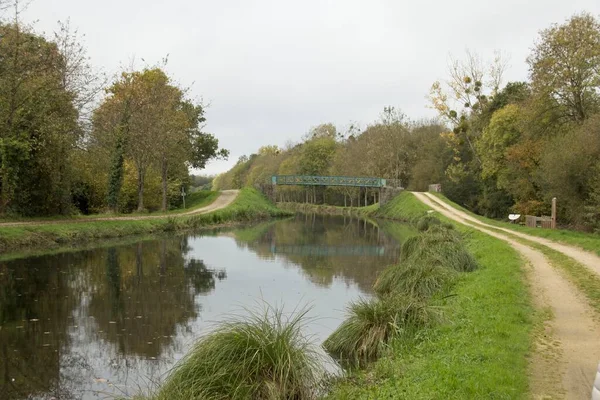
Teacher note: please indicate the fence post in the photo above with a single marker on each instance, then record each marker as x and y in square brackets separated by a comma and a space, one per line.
[553, 213]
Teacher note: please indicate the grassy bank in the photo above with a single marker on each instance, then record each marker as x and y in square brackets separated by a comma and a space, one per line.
[481, 349]
[194, 200]
[587, 241]
[328, 209]
[403, 207]
[249, 205]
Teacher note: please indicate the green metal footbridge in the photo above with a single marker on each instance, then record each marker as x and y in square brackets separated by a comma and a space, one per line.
[315, 180]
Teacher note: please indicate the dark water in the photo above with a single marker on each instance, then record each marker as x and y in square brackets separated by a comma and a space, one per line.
[112, 321]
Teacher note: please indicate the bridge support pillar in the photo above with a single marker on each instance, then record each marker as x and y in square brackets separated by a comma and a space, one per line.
[268, 190]
[387, 193]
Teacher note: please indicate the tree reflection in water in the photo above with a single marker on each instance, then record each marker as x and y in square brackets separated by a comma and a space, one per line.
[68, 320]
[110, 322]
[325, 247]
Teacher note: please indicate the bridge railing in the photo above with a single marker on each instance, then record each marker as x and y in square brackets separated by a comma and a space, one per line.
[315, 180]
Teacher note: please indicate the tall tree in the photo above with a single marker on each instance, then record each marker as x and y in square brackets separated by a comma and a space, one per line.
[565, 66]
[38, 124]
[147, 119]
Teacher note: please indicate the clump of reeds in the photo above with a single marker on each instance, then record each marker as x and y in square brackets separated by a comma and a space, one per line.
[429, 265]
[414, 278]
[440, 246]
[371, 324]
[262, 356]
[426, 222]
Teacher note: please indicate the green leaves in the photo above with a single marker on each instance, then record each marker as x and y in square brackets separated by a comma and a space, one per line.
[565, 66]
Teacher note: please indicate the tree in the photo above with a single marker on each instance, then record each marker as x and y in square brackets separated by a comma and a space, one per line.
[327, 130]
[565, 66]
[78, 76]
[567, 168]
[38, 124]
[502, 132]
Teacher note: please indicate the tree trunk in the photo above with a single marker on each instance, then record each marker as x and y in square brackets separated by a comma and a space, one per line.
[140, 189]
[164, 169]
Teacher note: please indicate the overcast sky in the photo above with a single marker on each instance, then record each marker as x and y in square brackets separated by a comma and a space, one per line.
[272, 69]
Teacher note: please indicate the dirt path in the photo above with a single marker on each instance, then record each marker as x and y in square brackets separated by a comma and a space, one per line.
[585, 258]
[568, 350]
[225, 198]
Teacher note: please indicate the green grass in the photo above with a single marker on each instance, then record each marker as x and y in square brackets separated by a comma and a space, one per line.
[250, 205]
[372, 323]
[262, 356]
[439, 246]
[418, 279]
[480, 353]
[328, 209]
[404, 207]
[194, 200]
[587, 241]
[586, 281]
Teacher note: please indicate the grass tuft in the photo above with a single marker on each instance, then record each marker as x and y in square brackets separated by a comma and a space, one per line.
[439, 246]
[262, 356]
[422, 280]
[372, 324]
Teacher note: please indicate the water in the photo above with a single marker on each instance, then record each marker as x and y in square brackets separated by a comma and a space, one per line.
[112, 321]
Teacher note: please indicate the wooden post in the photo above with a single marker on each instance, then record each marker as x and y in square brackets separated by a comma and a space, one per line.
[554, 213]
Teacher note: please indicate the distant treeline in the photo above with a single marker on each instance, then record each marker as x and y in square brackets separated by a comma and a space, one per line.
[201, 181]
[494, 147]
[73, 140]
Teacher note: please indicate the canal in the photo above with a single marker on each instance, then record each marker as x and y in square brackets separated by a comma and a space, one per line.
[112, 321]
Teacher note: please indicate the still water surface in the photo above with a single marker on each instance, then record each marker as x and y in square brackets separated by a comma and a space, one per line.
[112, 321]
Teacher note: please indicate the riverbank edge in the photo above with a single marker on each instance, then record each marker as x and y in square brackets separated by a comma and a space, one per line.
[326, 209]
[250, 205]
[484, 346]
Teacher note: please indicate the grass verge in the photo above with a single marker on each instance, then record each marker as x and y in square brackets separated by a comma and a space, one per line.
[194, 200]
[585, 280]
[481, 349]
[248, 206]
[480, 353]
[587, 241]
[404, 207]
[328, 209]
